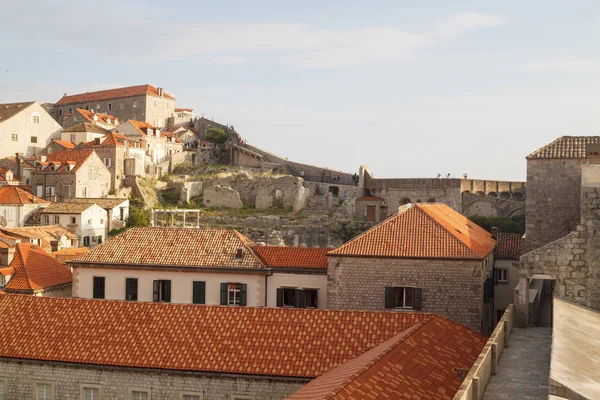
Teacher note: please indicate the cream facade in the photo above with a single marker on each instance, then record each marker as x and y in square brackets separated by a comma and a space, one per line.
[17, 215]
[28, 131]
[297, 281]
[79, 137]
[90, 225]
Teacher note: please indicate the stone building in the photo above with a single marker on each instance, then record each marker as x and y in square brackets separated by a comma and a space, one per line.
[117, 209]
[125, 350]
[68, 174]
[25, 128]
[34, 272]
[82, 132]
[18, 206]
[371, 209]
[54, 146]
[142, 103]
[554, 189]
[105, 121]
[427, 257]
[88, 221]
[506, 271]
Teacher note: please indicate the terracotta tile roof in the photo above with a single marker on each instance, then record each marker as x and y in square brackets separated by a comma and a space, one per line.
[102, 118]
[66, 208]
[7, 271]
[65, 144]
[9, 110]
[3, 175]
[119, 93]
[422, 231]
[87, 127]
[508, 246]
[64, 255]
[183, 247]
[45, 233]
[565, 147]
[105, 202]
[141, 126]
[293, 257]
[369, 198]
[238, 340]
[418, 363]
[109, 140]
[36, 270]
[78, 157]
[184, 109]
[10, 194]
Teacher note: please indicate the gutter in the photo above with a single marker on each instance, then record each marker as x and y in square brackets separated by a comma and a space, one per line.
[163, 267]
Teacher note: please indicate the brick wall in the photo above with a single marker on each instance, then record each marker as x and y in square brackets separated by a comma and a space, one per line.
[115, 383]
[452, 288]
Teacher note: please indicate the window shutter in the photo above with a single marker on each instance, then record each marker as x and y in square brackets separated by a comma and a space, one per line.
[488, 290]
[155, 286]
[167, 291]
[224, 290]
[495, 276]
[300, 299]
[389, 297]
[199, 296]
[243, 294]
[417, 298]
[279, 297]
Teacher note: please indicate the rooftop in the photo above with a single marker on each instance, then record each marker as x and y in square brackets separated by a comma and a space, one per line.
[10, 194]
[565, 147]
[35, 270]
[293, 257]
[64, 255]
[76, 157]
[9, 110]
[508, 246]
[66, 208]
[182, 247]
[119, 93]
[87, 127]
[110, 139]
[422, 231]
[101, 118]
[46, 233]
[66, 145]
[238, 340]
[105, 202]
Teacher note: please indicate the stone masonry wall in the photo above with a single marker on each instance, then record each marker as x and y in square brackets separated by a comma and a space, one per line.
[116, 383]
[552, 208]
[394, 197]
[452, 288]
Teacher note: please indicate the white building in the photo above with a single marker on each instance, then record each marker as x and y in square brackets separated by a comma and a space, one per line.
[17, 206]
[88, 221]
[116, 208]
[25, 128]
[83, 132]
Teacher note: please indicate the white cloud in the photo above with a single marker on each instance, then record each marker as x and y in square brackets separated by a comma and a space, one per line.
[566, 66]
[458, 24]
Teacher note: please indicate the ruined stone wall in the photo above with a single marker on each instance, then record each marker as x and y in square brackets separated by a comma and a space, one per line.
[394, 198]
[219, 196]
[552, 209]
[452, 288]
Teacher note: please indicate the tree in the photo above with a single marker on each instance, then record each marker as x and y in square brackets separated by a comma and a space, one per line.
[138, 217]
[504, 224]
[216, 135]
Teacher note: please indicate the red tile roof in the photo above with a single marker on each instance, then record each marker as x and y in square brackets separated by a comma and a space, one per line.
[293, 257]
[65, 144]
[87, 127]
[102, 118]
[508, 246]
[78, 157]
[119, 93]
[184, 109]
[10, 194]
[142, 128]
[565, 147]
[422, 231]
[237, 340]
[72, 253]
[109, 140]
[418, 363]
[35, 270]
[182, 247]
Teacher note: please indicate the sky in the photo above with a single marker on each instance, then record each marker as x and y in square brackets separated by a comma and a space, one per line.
[408, 88]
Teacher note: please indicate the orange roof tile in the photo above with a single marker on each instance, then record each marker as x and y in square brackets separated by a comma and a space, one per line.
[6, 271]
[184, 109]
[418, 363]
[35, 270]
[65, 144]
[238, 340]
[293, 257]
[119, 93]
[87, 127]
[16, 195]
[565, 147]
[109, 140]
[422, 231]
[102, 118]
[183, 247]
[72, 253]
[508, 246]
[79, 157]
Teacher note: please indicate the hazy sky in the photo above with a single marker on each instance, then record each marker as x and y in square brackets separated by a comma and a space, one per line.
[409, 88]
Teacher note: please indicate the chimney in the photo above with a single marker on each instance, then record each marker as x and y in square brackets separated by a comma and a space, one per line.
[54, 245]
[95, 118]
[97, 140]
[494, 232]
[160, 91]
[18, 160]
[65, 94]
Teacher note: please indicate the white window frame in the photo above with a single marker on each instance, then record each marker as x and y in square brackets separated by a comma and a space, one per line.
[237, 299]
[199, 394]
[73, 137]
[403, 306]
[35, 392]
[9, 214]
[57, 220]
[499, 272]
[84, 386]
[142, 390]
[35, 118]
[14, 137]
[5, 382]
[46, 219]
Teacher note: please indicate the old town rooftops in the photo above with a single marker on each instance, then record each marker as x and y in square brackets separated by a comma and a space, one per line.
[422, 231]
[35, 270]
[179, 247]
[10, 194]
[65, 161]
[420, 362]
[66, 208]
[109, 94]
[9, 110]
[95, 117]
[565, 147]
[111, 139]
[237, 340]
[508, 246]
[293, 257]
[87, 127]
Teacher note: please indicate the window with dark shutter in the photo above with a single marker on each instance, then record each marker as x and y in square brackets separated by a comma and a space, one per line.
[390, 301]
[300, 299]
[279, 297]
[199, 289]
[311, 298]
[224, 292]
[243, 295]
[155, 289]
[161, 291]
[131, 289]
[98, 287]
[418, 298]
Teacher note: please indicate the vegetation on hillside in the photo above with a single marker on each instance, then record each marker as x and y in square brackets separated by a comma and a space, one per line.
[504, 224]
[216, 135]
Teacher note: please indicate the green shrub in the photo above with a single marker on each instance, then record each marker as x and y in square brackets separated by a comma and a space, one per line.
[138, 217]
[216, 135]
[504, 224]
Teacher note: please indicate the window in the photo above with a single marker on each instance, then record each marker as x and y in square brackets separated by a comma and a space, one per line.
[134, 105]
[50, 191]
[35, 118]
[70, 110]
[191, 396]
[109, 106]
[97, 106]
[297, 298]
[43, 391]
[9, 214]
[131, 289]
[3, 388]
[91, 392]
[233, 294]
[403, 297]
[73, 137]
[154, 103]
[162, 291]
[98, 285]
[60, 113]
[34, 139]
[46, 219]
[14, 137]
[99, 239]
[139, 394]
[502, 275]
[56, 220]
[199, 292]
[107, 162]
[73, 220]
[122, 105]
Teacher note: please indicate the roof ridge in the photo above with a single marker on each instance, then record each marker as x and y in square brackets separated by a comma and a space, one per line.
[21, 267]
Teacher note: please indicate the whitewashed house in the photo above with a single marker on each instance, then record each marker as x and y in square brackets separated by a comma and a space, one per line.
[17, 206]
[88, 221]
